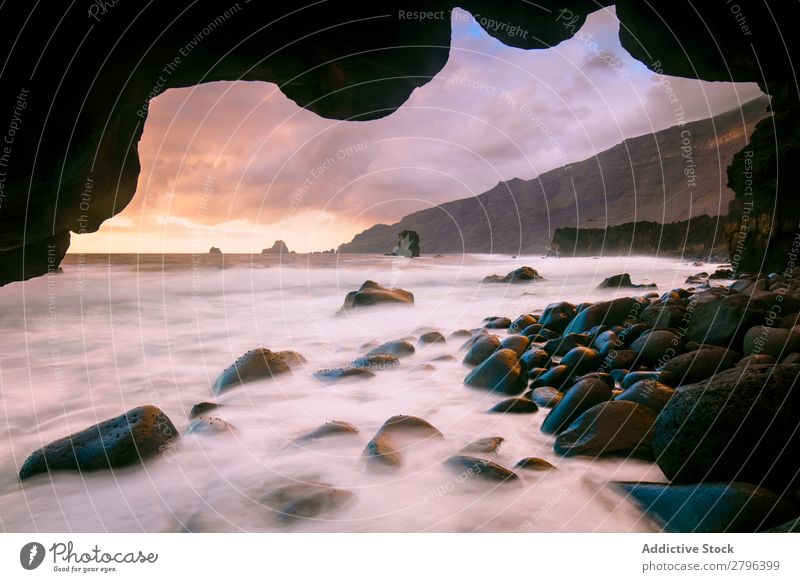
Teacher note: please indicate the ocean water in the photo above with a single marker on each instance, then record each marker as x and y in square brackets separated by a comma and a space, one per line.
[109, 334]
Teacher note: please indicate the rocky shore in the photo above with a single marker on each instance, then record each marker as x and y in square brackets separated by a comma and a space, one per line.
[700, 381]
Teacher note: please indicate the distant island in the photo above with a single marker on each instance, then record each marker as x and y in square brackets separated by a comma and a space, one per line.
[278, 248]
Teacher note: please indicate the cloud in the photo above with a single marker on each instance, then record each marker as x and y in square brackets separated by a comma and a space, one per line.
[493, 113]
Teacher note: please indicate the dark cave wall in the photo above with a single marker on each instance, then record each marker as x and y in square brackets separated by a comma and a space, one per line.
[76, 82]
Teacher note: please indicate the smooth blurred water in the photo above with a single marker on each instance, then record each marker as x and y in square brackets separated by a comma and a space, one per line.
[111, 334]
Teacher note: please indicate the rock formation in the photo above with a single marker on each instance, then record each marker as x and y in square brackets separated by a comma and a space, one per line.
[407, 244]
[278, 248]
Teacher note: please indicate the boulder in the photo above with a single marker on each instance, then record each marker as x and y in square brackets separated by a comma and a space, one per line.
[720, 318]
[662, 376]
[561, 345]
[258, 364]
[609, 313]
[497, 322]
[582, 360]
[521, 275]
[486, 445]
[432, 337]
[534, 358]
[399, 348]
[740, 424]
[329, 429]
[755, 360]
[376, 362]
[305, 500]
[710, 507]
[557, 316]
[500, 372]
[581, 397]
[658, 346]
[473, 466]
[516, 343]
[546, 396]
[210, 425]
[483, 347]
[772, 341]
[623, 281]
[534, 464]
[522, 322]
[607, 341]
[201, 408]
[700, 364]
[515, 406]
[371, 293]
[383, 450]
[336, 374]
[620, 359]
[214, 251]
[616, 428]
[650, 393]
[557, 377]
[631, 333]
[658, 314]
[117, 442]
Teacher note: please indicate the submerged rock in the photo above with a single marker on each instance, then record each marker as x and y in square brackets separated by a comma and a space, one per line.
[482, 468]
[383, 448]
[711, 507]
[497, 322]
[484, 445]
[329, 429]
[432, 337]
[117, 442]
[534, 464]
[399, 348]
[623, 281]
[210, 425]
[521, 275]
[335, 374]
[305, 500]
[258, 364]
[371, 293]
[376, 362]
[201, 408]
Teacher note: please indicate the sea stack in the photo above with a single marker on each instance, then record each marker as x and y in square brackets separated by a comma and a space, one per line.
[278, 248]
[407, 244]
[214, 251]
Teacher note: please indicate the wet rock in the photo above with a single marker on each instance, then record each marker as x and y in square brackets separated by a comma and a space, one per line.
[604, 376]
[544, 335]
[521, 275]
[616, 428]
[582, 360]
[609, 313]
[534, 464]
[658, 346]
[660, 314]
[291, 358]
[305, 500]
[620, 359]
[370, 294]
[710, 507]
[631, 333]
[201, 408]
[534, 358]
[329, 429]
[561, 345]
[793, 358]
[336, 374]
[546, 396]
[532, 330]
[484, 445]
[557, 377]
[399, 348]
[376, 362]
[444, 358]
[515, 406]
[496, 322]
[500, 372]
[432, 337]
[483, 347]
[772, 341]
[460, 334]
[581, 397]
[632, 378]
[720, 318]
[557, 316]
[697, 279]
[721, 274]
[210, 425]
[623, 281]
[700, 364]
[516, 343]
[523, 321]
[740, 424]
[482, 468]
[755, 360]
[606, 342]
[258, 364]
[383, 449]
[117, 442]
[650, 393]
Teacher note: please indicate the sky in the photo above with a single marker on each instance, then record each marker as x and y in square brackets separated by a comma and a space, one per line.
[238, 165]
